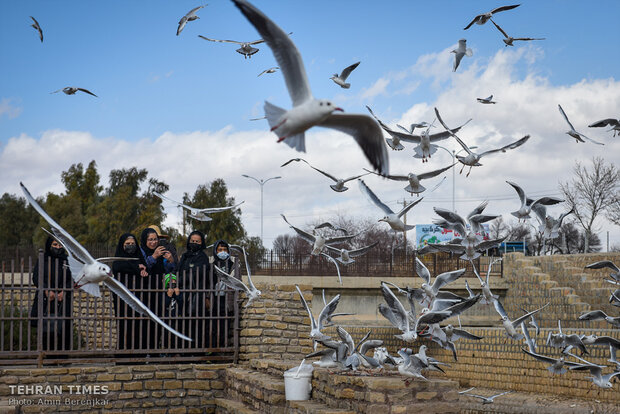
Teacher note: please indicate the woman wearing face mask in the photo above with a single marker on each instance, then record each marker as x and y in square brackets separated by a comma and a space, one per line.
[193, 278]
[130, 273]
[221, 259]
[57, 297]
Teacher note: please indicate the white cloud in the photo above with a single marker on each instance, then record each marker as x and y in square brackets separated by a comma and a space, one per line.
[9, 109]
[527, 104]
[377, 88]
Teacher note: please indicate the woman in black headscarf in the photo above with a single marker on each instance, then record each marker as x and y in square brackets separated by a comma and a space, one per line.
[131, 274]
[57, 297]
[193, 280]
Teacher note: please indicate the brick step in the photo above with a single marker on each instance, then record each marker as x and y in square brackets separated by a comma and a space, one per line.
[225, 406]
[275, 367]
[313, 407]
[5, 408]
[258, 390]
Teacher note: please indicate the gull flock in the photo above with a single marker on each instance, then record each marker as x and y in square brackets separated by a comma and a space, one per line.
[426, 307]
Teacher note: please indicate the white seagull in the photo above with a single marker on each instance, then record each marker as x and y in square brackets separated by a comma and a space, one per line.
[37, 27]
[510, 326]
[615, 274]
[339, 187]
[88, 272]
[485, 400]
[71, 90]
[459, 52]
[487, 101]
[247, 49]
[524, 211]
[232, 282]
[508, 39]
[189, 17]
[198, 213]
[270, 70]
[307, 111]
[317, 324]
[317, 240]
[412, 127]
[472, 159]
[346, 255]
[577, 135]
[599, 315]
[603, 381]
[485, 17]
[391, 218]
[613, 123]
[342, 78]
[414, 186]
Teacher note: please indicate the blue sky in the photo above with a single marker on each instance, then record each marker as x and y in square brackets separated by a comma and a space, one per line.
[160, 93]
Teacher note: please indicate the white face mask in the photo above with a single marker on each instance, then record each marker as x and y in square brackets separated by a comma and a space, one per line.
[223, 255]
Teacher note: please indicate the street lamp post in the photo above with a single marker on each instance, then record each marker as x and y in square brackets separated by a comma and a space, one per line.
[453, 155]
[261, 182]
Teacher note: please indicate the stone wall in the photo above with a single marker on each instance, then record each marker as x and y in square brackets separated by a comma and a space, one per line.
[276, 325]
[156, 388]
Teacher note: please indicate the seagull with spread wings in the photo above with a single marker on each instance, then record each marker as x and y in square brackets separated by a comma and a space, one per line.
[459, 52]
[37, 27]
[573, 133]
[612, 122]
[88, 272]
[524, 211]
[71, 90]
[232, 282]
[485, 17]
[508, 40]
[391, 218]
[341, 80]
[339, 187]
[198, 213]
[189, 17]
[414, 186]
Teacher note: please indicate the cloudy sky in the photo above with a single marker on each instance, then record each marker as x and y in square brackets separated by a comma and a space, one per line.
[180, 106]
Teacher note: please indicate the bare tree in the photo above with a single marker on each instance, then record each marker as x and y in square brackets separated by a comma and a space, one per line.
[497, 228]
[590, 193]
[613, 211]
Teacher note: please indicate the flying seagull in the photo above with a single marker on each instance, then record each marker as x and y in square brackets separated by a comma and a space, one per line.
[472, 159]
[577, 135]
[307, 111]
[508, 39]
[485, 17]
[71, 90]
[317, 324]
[189, 17]
[342, 78]
[198, 213]
[37, 27]
[232, 282]
[615, 274]
[339, 187]
[414, 186]
[613, 123]
[270, 70]
[599, 315]
[485, 400]
[487, 101]
[346, 255]
[413, 126]
[459, 52]
[524, 211]
[246, 49]
[391, 218]
[318, 241]
[88, 272]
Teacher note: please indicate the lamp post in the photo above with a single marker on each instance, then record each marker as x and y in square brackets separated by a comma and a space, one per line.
[453, 155]
[261, 182]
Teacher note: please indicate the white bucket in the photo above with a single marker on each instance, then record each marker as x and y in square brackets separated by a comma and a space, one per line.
[297, 387]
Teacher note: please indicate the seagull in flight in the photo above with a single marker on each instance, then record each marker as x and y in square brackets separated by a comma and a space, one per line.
[342, 78]
[316, 324]
[88, 272]
[508, 39]
[71, 90]
[485, 400]
[472, 159]
[615, 274]
[414, 186]
[198, 213]
[391, 218]
[339, 187]
[599, 315]
[290, 125]
[526, 207]
[189, 17]
[487, 101]
[577, 135]
[37, 27]
[232, 282]
[459, 52]
[270, 70]
[246, 49]
[346, 255]
[613, 123]
[413, 126]
[485, 17]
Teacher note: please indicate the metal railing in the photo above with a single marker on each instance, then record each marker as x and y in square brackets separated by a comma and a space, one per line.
[85, 328]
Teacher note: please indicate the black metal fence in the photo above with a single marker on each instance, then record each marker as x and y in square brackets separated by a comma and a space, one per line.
[54, 323]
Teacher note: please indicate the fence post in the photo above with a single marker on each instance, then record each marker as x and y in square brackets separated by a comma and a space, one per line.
[40, 294]
[271, 263]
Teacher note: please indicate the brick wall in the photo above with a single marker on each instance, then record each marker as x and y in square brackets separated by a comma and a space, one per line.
[276, 325]
[156, 388]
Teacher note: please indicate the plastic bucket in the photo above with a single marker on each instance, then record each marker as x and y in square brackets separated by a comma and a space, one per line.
[297, 388]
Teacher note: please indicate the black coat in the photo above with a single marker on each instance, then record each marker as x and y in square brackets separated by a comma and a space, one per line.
[193, 273]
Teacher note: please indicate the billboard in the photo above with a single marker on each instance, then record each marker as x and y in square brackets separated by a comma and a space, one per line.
[431, 233]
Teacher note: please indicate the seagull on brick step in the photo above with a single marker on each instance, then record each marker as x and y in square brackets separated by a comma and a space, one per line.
[510, 326]
[508, 40]
[524, 211]
[357, 353]
[599, 315]
[573, 133]
[410, 366]
[341, 80]
[88, 272]
[391, 218]
[189, 17]
[307, 111]
[198, 213]
[232, 282]
[565, 342]
[615, 274]
[472, 159]
[485, 400]
[339, 187]
[485, 17]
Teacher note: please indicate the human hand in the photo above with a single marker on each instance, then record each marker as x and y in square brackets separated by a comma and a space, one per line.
[168, 256]
[159, 251]
[169, 292]
[207, 303]
[60, 295]
[51, 294]
[143, 271]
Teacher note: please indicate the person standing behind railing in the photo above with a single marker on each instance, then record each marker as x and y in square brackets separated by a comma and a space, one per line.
[193, 281]
[130, 273]
[57, 297]
[159, 262]
[221, 259]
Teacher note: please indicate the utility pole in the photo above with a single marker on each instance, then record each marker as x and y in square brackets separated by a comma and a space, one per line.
[405, 232]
